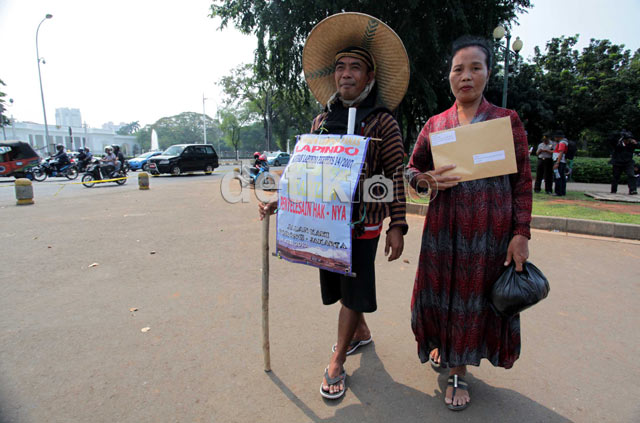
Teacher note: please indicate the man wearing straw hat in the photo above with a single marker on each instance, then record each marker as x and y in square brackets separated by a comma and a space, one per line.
[355, 60]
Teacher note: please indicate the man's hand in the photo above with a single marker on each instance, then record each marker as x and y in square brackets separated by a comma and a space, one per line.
[436, 180]
[266, 209]
[395, 243]
[556, 166]
[518, 251]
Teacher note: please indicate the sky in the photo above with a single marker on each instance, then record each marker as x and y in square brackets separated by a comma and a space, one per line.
[141, 60]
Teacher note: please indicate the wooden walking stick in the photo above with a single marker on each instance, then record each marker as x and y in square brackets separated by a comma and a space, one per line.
[265, 294]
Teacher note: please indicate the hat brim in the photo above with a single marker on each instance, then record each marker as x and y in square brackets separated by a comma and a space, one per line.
[343, 30]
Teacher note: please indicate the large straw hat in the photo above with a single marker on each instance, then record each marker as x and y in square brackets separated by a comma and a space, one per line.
[344, 30]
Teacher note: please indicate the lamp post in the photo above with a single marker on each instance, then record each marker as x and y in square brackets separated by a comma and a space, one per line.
[44, 111]
[498, 33]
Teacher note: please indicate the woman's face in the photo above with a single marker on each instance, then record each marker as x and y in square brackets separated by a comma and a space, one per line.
[469, 74]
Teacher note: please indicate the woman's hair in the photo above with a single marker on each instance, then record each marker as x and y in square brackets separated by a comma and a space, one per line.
[472, 41]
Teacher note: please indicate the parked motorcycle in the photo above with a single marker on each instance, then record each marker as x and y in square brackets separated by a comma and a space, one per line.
[50, 168]
[97, 171]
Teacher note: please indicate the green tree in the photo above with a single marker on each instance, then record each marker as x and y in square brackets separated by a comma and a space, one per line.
[130, 128]
[185, 128]
[282, 116]
[527, 97]
[586, 94]
[4, 121]
[630, 109]
[231, 124]
[427, 28]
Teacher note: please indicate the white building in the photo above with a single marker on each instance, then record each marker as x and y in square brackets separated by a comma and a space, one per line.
[72, 137]
[68, 117]
[110, 126]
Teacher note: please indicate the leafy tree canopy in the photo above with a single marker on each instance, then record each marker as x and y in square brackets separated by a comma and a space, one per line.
[254, 98]
[130, 128]
[427, 28]
[185, 128]
[587, 94]
[3, 119]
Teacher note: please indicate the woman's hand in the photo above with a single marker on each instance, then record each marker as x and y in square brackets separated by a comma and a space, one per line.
[266, 209]
[518, 251]
[435, 179]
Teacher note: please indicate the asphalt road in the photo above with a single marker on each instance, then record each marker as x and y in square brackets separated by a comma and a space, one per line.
[64, 188]
[190, 263]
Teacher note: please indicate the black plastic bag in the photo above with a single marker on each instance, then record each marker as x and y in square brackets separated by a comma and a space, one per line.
[517, 291]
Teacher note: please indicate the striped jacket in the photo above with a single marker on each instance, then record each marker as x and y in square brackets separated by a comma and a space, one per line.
[384, 157]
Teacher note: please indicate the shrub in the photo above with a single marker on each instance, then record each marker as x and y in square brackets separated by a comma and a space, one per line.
[589, 170]
[592, 170]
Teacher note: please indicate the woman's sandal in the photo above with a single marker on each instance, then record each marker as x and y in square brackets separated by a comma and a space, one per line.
[435, 366]
[342, 377]
[458, 383]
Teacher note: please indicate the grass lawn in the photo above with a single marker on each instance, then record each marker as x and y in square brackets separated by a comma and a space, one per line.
[578, 206]
[574, 205]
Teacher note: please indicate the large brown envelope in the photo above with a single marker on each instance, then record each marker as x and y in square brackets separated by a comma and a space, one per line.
[479, 150]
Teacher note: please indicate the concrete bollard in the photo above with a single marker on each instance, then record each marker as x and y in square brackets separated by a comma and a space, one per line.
[24, 192]
[143, 180]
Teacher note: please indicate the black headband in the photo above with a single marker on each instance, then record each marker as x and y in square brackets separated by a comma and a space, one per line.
[358, 53]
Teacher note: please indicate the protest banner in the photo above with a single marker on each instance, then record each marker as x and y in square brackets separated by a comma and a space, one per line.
[313, 224]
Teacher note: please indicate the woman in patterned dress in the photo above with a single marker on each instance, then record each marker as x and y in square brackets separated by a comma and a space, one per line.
[473, 229]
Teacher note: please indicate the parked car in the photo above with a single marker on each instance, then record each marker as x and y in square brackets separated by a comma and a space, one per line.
[278, 158]
[181, 158]
[140, 162]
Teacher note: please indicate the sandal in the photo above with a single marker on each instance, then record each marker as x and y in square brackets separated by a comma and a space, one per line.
[353, 346]
[458, 383]
[342, 377]
[434, 365]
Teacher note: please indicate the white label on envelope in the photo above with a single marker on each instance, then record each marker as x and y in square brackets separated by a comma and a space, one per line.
[489, 157]
[443, 138]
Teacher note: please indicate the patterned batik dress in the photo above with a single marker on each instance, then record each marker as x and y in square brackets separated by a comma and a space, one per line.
[464, 246]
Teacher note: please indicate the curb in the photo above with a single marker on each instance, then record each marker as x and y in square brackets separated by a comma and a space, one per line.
[565, 224]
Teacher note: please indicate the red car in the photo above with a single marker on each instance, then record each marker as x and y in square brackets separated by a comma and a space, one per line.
[17, 158]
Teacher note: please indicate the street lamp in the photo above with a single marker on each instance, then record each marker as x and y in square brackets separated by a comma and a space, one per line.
[498, 33]
[44, 111]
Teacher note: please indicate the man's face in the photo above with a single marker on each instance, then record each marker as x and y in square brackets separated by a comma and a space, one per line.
[351, 77]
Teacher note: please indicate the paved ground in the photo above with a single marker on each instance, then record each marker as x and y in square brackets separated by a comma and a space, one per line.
[580, 186]
[618, 197]
[64, 188]
[71, 351]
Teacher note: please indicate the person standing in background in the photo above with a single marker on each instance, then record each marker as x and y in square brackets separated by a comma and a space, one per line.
[623, 145]
[545, 166]
[560, 163]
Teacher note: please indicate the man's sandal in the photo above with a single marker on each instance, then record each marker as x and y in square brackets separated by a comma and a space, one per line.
[353, 346]
[342, 377]
[458, 383]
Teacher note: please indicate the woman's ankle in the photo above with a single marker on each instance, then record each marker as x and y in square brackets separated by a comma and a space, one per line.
[460, 371]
